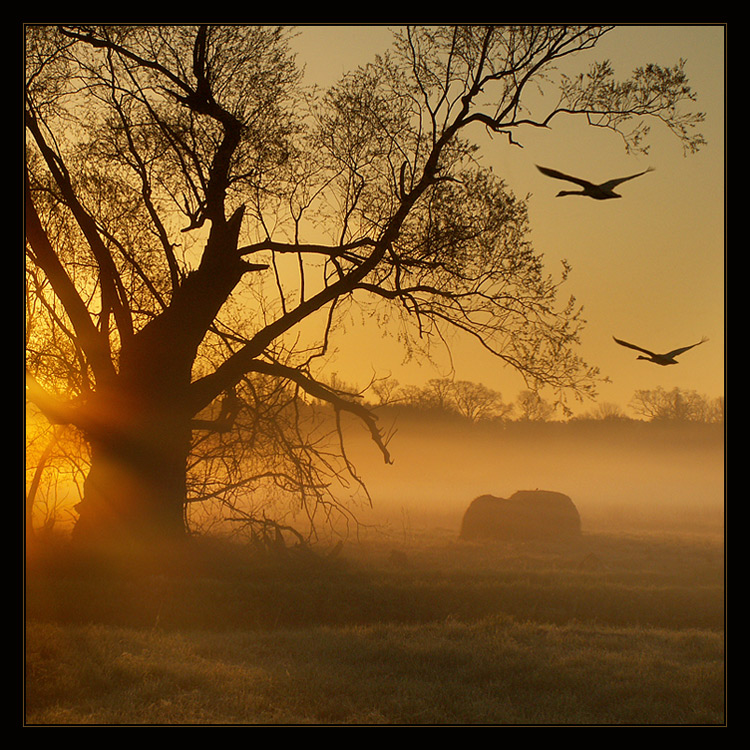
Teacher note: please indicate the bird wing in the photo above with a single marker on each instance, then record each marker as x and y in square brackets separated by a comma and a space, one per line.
[633, 346]
[614, 183]
[685, 348]
[560, 176]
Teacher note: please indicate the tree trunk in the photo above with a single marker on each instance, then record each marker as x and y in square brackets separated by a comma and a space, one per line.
[33, 488]
[140, 424]
[135, 492]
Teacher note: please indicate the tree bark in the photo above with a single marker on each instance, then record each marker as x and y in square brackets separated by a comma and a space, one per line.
[135, 491]
[139, 430]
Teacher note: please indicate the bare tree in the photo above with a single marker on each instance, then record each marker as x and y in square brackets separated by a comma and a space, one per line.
[196, 225]
[386, 390]
[605, 410]
[531, 407]
[56, 465]
[677, 405]
[439, 394]
[476, 401]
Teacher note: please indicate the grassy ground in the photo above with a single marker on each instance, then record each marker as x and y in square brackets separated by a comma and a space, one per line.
[613, 630]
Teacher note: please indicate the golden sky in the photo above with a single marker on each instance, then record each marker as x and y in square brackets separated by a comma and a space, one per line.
[648, 268]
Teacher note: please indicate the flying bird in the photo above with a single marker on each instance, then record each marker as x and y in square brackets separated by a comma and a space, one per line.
[660, 359]
[599, 192]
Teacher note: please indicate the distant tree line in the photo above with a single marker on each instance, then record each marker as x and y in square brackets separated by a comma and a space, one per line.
[476, 402]
[660, 405]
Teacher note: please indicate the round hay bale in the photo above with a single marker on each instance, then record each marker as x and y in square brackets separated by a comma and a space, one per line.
[526, 516]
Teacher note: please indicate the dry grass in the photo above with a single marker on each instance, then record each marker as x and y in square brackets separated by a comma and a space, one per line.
[494, 671]
[617, 629]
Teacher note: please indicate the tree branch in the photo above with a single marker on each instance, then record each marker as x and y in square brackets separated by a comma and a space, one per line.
[113, 293]
[324, 393]
[94, 342]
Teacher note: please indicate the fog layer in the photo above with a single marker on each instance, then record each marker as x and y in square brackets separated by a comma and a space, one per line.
[621, 474]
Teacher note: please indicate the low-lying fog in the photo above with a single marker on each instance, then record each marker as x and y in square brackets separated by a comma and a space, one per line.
[622, 475]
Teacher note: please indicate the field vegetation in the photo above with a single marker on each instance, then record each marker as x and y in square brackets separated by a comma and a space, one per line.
[403, 626]
[620, 629]
[403, 623]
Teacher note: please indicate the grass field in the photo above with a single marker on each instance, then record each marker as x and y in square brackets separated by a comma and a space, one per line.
[616, 629]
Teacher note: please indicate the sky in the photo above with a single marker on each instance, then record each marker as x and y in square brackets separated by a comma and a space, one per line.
[648, 268]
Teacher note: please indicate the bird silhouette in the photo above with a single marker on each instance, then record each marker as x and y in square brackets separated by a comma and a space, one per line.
[660, 359]
[598, 192]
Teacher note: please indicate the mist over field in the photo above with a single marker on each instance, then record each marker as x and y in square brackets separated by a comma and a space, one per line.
[622, 475]
[409, 624]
